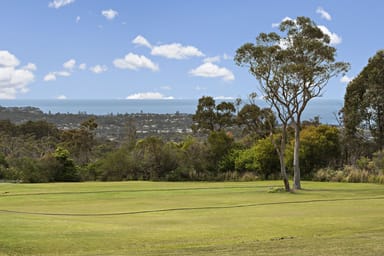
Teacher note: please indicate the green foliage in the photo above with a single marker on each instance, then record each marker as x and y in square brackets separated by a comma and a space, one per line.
[260, 159]
[219, 146]
[320, 148]
[364, 106]
[292, 68]
[205, 116]
[80, 142]
[256, 121]
[61, 166]
[210, 117]
[117, 165]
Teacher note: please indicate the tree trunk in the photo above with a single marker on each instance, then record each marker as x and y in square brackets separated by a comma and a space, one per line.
[296, 154]
[284, 173]
[280, 151]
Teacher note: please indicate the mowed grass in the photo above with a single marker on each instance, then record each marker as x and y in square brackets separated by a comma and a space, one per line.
[159, 218]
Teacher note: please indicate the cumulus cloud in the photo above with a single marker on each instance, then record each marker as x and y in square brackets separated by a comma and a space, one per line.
[140, 40]
[98, 69]
[59, 3]
[346, 79]
[134, 62]
[324, 14]
[78, 19]
[70, 64]
[7, 59]
[211, 70]
[176, 51]
[14, 80]
[109, 14]
[52, 76]
[335, 39]
[148, 96]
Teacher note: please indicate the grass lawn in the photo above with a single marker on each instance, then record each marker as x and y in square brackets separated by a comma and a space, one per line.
[159, 218]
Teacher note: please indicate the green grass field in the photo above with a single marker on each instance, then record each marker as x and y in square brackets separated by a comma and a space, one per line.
[159, 218]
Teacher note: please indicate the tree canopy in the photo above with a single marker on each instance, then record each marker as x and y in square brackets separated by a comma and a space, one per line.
[364, 102]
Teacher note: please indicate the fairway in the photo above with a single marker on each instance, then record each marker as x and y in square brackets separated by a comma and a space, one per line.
[160, 218]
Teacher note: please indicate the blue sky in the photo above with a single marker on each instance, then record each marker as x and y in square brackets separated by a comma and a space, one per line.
[118, 49]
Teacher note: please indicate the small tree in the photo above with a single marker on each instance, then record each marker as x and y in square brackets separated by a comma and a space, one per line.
[292, 69]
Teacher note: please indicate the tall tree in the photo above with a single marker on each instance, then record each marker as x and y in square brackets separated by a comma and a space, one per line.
[364, 102]
[205, 116]
[292, 68]
[80, 141]
[210, 117]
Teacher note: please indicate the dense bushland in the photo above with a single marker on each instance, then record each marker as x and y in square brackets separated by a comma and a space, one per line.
[39, 152]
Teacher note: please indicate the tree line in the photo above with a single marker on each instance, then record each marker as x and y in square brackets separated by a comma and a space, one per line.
[232, 140]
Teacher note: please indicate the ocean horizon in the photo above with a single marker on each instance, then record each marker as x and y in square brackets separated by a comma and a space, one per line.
[326, 109]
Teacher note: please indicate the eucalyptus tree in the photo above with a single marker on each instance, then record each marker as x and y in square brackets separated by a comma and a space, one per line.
[364, 103]
[256, 121]
[210, 117]
[292, 68]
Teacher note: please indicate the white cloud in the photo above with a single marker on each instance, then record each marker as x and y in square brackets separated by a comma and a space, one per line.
[52, 76]
[176, 51]
[109, 14]
[335, 39]
[275, 25]
[324, 14]
[134, 61]
[83, 66]
[59, 3]
[98, 69]
[212, 70]
[140, 40]
[61, 97]
[7, 59]
[346, 79]
[212, 59]
[62, 73]
[77, 19]
[30, 66]
[148, 96]
[70, 64]
[14, 80]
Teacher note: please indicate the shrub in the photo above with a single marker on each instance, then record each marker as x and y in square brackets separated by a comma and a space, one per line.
[261, 159]
[319, 148]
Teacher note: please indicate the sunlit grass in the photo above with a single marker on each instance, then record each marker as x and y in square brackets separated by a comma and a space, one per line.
[147, 218]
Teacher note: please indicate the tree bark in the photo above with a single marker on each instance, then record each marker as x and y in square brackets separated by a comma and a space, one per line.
[280, 151]
[296, 156]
